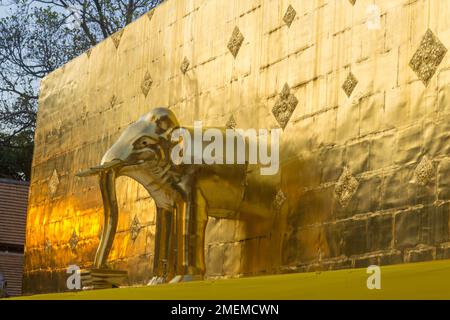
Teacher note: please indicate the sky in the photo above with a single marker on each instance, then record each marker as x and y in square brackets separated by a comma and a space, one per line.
[4, 8]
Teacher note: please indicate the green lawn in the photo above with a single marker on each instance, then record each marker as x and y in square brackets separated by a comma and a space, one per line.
[428, 280]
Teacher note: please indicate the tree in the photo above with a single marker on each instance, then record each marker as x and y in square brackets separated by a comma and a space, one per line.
[37, 37]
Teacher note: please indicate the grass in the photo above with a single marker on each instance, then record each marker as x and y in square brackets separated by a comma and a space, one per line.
[426, 280]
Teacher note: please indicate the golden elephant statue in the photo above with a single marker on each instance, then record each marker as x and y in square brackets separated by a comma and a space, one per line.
[185, 194]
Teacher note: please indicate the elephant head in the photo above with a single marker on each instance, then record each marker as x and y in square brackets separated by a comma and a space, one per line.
[146, 140]
[142, 152]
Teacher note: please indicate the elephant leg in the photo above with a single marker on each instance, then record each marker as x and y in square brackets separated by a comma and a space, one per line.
[110, 211]
[171, 245]
[179, 240]
[196, 237]
[163, 257]
[191, 224]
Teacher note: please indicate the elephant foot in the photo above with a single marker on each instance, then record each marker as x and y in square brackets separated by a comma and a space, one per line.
[102, 278]
[156, 280]
[186, 278]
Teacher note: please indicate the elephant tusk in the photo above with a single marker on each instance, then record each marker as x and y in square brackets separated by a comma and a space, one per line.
[108, 165]
[99, 169]
[87, 173]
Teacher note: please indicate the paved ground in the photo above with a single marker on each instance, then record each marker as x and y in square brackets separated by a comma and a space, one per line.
[428, 280]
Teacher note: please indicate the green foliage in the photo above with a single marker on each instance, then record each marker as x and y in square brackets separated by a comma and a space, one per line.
[16, 157]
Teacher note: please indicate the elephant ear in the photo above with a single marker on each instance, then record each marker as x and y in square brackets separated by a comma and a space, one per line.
[165, 121]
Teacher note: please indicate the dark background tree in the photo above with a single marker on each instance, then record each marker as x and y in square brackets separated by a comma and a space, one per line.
[37, 37]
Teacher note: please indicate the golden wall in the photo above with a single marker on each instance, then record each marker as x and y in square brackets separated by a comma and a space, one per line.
[365, 151]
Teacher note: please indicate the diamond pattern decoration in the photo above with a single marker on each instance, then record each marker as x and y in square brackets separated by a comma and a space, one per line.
[135, 228]
[279, 200]
[285, 106]
[150, 15]
[346, 187]
[48, 246]
[116, 37]
[73, 241]
[289, 16]
[59, 128]
[53, 183]
[231, 123]
[424, 171]
[185, 65]
[350, 84]
[428, 56]
[235, 43]
[146, 83]
[84, 114]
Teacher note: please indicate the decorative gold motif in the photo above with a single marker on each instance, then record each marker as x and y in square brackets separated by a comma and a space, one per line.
[235, 43]
[231, 123]
[428, 56]
[184, 65]
[352, 2]
[135, 228]
[285, 106]
[279, 200]
[146, 83]
[150, 15]
[116, 37]
[84, 114]
[48, 246]
[424, 171]
[88, 52]
[346, 187]
[73, 241]
[289, 16]
[350, 84]
[53, 183]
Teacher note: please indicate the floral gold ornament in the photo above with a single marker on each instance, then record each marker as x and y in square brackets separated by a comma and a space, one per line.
[48, 246]
[289, 16]
[428, 57]
[346, 187]
[284, 106]
[231, 123]
[349, 84]
[84, 114]
[73, 241]
[279, 200]
[150, 14]
[53, 183]
[236, 40]
[424, 171]
[146, 83]
[116, 37]
[135, 228]
[184, 65]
